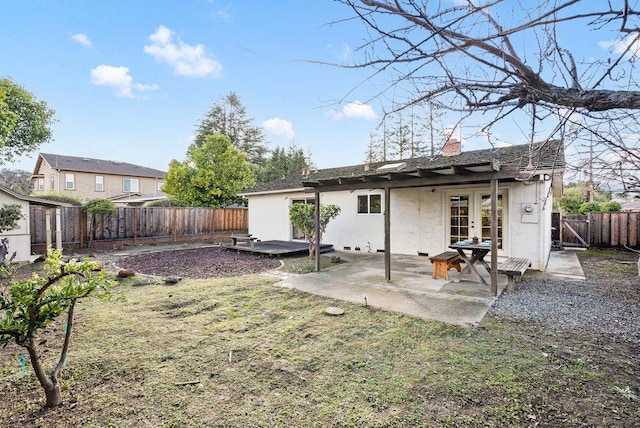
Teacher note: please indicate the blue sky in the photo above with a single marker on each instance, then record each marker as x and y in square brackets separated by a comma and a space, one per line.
[130, 80]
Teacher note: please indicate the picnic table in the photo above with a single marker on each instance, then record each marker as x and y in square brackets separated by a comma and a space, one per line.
[471, 254]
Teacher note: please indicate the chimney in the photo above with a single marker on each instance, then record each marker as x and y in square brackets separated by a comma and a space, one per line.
[452, 147]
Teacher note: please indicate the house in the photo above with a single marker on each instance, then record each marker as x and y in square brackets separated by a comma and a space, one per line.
[432, 202]
[90, 178]
[20, 237]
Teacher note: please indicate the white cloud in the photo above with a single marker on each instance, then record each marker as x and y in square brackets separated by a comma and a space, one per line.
[118, 78]
[345, 53]
[82, 39]
[280, 127]
[359, 110]
[354, 110]
[631, 44]
[186, 60]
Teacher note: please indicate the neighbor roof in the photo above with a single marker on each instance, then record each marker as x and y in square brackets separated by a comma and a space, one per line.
[544, 157]
[84, 164]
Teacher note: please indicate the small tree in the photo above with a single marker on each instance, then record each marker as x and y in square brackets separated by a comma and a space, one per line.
[27, 308]
[303, 217]
[211, 175]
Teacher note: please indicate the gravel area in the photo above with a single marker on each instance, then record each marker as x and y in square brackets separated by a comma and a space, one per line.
[603, 306]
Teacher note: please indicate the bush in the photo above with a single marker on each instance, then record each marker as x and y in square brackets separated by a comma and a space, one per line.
[100, 206]
[612, 207]
[589, 207]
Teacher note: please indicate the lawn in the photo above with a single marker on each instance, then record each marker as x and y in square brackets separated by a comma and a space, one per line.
[242, 352]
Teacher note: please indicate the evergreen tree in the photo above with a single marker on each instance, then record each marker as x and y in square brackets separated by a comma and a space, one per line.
[228, 117]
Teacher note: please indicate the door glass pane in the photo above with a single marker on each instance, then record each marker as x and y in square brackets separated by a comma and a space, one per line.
[297, 233]
[459, 218]
[486, 219]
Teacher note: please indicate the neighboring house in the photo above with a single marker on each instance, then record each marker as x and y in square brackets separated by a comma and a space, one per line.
[90, 178]
[20, 237]
[433, 202]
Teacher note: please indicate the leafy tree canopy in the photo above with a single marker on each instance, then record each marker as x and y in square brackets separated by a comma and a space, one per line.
[228, 117]
[25, 123]
[212, 174]
[282, 163]
[17, 180]
[9, 216]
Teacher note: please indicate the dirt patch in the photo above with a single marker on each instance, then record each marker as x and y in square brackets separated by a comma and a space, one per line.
[196, 263]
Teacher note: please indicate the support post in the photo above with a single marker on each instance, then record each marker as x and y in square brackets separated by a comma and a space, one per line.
[494, 237]
[58, 229]
[387, 233]
[47, 227]
[317, 230]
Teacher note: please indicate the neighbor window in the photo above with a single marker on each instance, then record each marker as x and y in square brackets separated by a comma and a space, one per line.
[99, 183]
[130, 185]
[52, 182]
[69, 181]
[159, 185]
[39, 184]
[369, 204]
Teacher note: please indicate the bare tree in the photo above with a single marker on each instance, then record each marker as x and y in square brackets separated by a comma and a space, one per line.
[496, 57]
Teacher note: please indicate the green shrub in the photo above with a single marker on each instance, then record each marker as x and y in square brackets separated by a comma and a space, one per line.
[100, 206]
[612, 207]
[589, 207]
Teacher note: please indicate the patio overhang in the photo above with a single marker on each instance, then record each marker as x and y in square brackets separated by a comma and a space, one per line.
[419, 177]
[398, 176]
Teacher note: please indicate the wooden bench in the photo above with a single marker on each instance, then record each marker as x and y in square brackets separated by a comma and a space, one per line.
[443, 262]
[514, 268]
[246, 238]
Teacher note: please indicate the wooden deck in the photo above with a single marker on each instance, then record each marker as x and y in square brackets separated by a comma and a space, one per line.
[278, 248]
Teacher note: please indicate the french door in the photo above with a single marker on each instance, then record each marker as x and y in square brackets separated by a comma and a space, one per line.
[469, 216]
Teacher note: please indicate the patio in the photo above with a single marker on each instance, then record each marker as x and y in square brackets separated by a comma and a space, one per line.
[412, 290]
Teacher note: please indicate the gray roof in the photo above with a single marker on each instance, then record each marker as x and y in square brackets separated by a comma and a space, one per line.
[84, 164]
[34, 201]
[547, 156]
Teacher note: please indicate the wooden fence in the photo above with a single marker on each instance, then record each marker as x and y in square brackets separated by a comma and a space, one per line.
[597, 229]
[135, 224]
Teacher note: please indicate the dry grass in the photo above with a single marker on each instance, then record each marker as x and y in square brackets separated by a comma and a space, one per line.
[243, 352]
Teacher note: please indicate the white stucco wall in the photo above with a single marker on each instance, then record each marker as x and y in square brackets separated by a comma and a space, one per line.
[418, 219]
[19, 238]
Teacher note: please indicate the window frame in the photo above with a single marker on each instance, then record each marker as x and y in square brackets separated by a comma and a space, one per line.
[131, 180]
[99, 183]
[69, 178]
[369, 204]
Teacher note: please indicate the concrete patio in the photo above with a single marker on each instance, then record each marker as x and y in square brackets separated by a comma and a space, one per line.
[412, 290]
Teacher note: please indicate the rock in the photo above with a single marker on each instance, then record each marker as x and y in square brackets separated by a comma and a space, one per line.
[171, 280]
[125, 273]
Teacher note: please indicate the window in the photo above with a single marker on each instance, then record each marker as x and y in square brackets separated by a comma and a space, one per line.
[130, 185]
[52, 182]
[69, 181]
[39, 184]
[369, 204]
[159, 185]
[99, 183]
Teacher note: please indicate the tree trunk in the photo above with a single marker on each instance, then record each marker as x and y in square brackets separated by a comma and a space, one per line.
[50, 384]
[53, 394]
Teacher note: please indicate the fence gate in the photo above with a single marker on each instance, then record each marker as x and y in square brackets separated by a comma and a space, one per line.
[570, 230]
